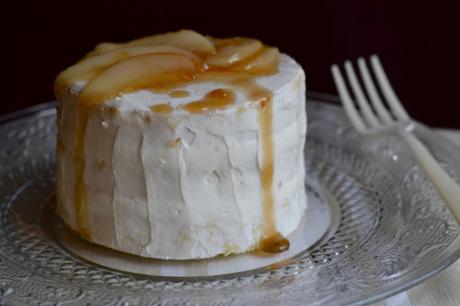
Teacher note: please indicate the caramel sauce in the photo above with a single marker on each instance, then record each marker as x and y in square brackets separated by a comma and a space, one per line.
[162, 108]
[60, 145]
[215, 99]
[266, 175]
[272, 242]
[81, 210]
[116, 71]
[179, 93]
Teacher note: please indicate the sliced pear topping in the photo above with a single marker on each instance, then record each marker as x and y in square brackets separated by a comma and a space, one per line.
[233, 54]
[90, 67]
[155, 70]
[104, 47]
[184, 39]
[266, 62]
[219, 43]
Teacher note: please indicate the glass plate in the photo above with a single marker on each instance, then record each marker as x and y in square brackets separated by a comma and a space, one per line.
[393, 230]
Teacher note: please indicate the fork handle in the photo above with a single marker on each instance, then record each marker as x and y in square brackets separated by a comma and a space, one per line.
[446, 186]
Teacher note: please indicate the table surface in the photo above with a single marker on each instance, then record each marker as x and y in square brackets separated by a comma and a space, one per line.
[442, 289]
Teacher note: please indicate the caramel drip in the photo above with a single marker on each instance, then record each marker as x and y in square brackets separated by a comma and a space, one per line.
[216, 99]
[162, 108]
[179, 93]
[60, 145]
[114, 69]
[81, 209]
[273, 241]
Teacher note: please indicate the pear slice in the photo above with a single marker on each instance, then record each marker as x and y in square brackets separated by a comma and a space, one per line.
[89, 67]
[235, 53]
[265, 63]
[104, 47]
[154, 70]
[184, 39]
[219, 43]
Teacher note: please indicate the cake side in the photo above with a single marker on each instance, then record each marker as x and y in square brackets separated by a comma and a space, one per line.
[180, 185]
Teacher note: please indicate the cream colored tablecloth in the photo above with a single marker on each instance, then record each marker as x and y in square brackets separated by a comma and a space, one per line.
[442, 289]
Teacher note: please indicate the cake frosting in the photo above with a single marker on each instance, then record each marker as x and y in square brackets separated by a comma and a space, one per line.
[183, 168]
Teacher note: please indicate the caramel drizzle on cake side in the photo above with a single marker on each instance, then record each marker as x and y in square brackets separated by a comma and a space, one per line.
[273, 242]
[215, 99]
[164, 63]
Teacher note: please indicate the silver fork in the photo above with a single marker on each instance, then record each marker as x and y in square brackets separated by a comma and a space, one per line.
[375, 118]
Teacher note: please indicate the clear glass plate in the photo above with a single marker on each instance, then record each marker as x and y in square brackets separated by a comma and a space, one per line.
[392, 229]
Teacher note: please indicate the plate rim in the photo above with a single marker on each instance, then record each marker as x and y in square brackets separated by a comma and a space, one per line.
[440, 263]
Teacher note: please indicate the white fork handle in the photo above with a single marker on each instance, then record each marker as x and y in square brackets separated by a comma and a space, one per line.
[446, 186]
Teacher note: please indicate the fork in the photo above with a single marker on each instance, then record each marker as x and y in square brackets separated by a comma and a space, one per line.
[374, 118]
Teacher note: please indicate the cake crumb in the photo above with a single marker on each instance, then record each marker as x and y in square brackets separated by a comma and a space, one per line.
[174, 143]
[100, 164]
[182, 237]
[147, 118]
[230, 248]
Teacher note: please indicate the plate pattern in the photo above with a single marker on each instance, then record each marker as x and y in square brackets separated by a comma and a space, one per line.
[393, 230]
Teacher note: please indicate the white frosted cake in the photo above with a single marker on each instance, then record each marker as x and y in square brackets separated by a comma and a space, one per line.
[180, 146]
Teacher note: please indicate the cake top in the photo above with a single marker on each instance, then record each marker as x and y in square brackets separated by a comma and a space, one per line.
[165, 64]
[146, 100]
[162, 63]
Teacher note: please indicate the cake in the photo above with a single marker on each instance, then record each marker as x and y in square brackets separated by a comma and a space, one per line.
[182, 146]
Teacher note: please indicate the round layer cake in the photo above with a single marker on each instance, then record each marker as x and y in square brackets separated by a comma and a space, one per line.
[180, 146]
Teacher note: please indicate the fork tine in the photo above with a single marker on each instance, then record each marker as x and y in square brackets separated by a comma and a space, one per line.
[350, 109]
[373, 95]
[393, 101]
[359, 95]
